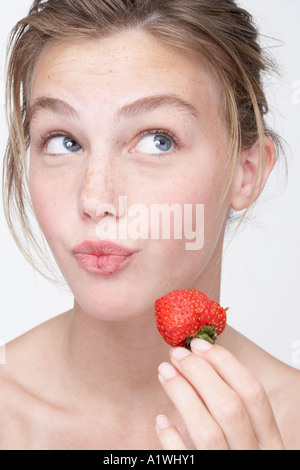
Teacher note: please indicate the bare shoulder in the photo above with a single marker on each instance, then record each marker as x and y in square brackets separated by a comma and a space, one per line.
[280, 381]
[285, 401]
[30, 353]
[283, 388]
[11, 403]
[24, 375]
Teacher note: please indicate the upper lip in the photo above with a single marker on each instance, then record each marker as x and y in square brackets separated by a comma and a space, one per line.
[101, 247]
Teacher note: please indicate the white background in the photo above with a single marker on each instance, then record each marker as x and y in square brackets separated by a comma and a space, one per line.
[261, 273]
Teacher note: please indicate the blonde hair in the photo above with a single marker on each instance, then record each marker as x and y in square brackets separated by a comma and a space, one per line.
[219, 31]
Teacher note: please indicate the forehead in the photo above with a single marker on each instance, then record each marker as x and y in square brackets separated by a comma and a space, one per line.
[124, 66]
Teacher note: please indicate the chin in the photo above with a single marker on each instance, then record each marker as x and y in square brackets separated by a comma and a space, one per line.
[107, 311]
[108, 302]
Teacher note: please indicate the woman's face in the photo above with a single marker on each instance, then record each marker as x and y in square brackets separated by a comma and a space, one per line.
[127, 117]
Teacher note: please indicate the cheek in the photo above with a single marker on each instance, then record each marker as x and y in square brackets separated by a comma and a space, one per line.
[199, 193]
[50, 199]
[201, 196]
[198, 221]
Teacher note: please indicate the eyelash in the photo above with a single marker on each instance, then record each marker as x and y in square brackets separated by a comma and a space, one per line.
[163, 132]
[170, 135]
[45, 139]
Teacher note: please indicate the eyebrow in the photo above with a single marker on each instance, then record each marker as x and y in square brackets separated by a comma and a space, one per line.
[53, 104]
[150, 103]
[130, 110]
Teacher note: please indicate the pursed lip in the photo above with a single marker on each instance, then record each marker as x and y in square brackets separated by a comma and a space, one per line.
[102, 256]
[101, 247]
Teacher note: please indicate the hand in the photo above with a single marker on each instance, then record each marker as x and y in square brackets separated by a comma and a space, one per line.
[223, 406]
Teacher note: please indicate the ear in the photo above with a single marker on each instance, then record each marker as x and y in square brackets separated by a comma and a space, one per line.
[248, 169]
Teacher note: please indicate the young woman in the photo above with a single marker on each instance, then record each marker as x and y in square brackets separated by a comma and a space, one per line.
[158, 102]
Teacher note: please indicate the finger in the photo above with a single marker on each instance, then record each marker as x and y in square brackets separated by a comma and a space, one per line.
[168, 435]
[223, 403]
[202, 429]
[248, 387]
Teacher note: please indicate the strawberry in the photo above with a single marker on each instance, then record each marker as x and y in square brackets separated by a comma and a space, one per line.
[185, 314]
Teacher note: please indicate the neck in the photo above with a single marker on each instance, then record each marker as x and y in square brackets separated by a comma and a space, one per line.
[105, 357]
[111, 356]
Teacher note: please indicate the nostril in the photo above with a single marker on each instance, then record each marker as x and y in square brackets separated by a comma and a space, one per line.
[102, 214]
[92, 209]
[105, 210]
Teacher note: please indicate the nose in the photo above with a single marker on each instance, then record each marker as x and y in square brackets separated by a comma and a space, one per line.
[100, 190]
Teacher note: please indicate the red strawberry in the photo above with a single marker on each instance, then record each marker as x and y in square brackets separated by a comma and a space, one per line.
[185, 314]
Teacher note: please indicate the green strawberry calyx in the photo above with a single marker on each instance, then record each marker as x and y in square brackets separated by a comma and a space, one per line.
[206, 332]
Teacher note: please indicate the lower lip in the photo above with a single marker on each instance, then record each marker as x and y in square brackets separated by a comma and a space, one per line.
[105, 264]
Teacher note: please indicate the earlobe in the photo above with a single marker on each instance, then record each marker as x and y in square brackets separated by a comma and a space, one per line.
[252, 172]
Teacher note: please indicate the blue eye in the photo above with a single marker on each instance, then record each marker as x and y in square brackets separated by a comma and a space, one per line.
[155, 143]
[61, 144]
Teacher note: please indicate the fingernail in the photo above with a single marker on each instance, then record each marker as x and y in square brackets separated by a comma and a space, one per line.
[162, 422]
[167, 371]
[179, 353]
[200, 345]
